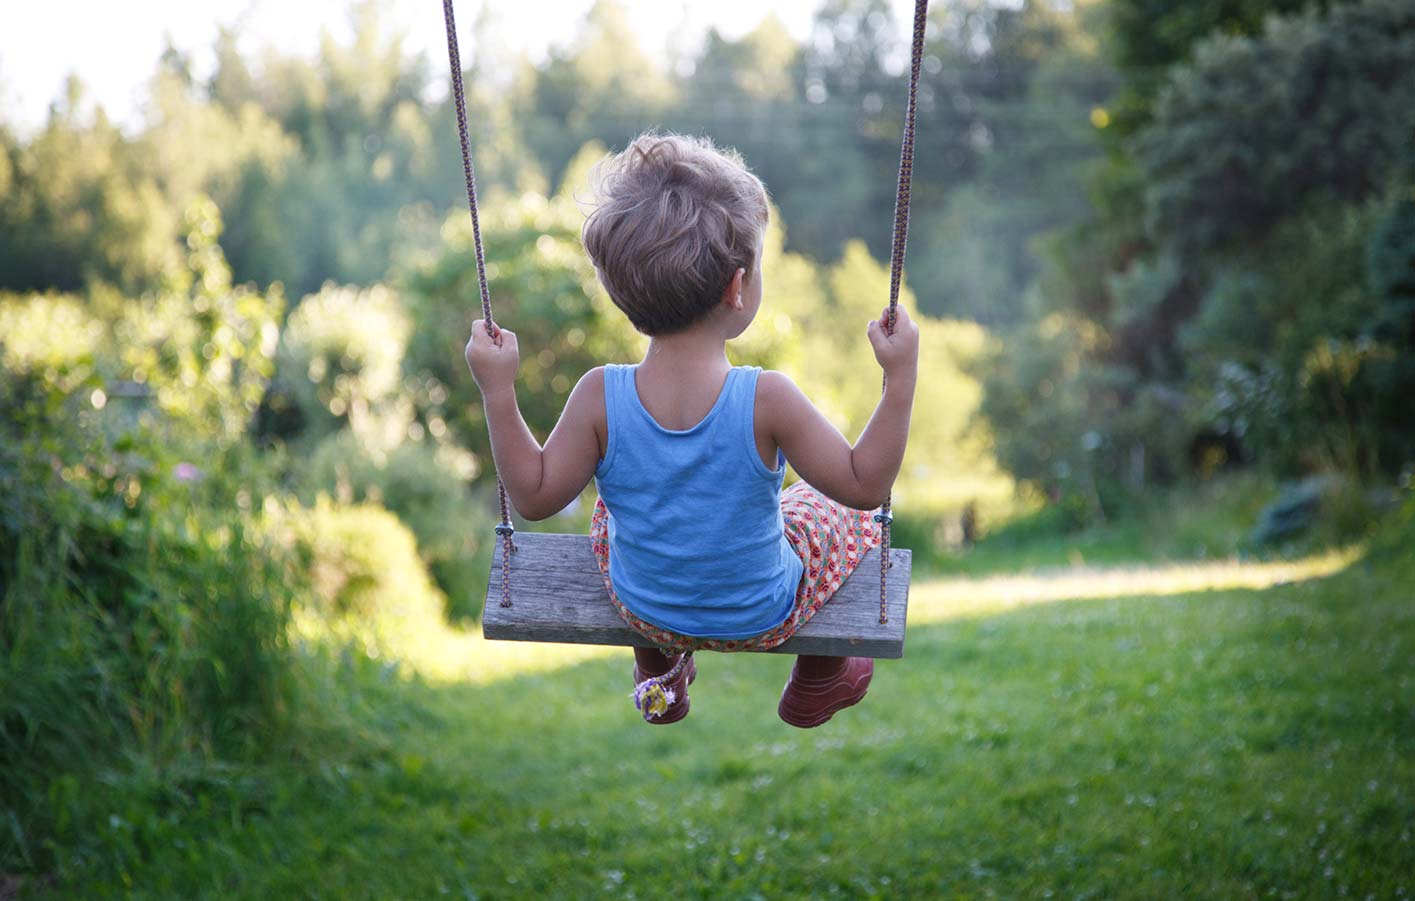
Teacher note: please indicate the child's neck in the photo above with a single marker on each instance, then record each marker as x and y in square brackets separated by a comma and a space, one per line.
[696, 352]
[682, 376]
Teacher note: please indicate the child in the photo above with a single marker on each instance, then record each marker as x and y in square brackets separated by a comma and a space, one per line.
[698, 545]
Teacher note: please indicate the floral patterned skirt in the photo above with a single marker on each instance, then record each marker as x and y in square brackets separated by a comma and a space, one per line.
[829, 538]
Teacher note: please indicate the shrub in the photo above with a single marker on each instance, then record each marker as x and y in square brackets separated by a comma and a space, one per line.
[340, 359]
[364, 581]
[1308, 361]
[143, 621]
[425, 485]
[132, 627]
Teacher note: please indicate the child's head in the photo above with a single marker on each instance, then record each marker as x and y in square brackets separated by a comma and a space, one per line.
[673, 221]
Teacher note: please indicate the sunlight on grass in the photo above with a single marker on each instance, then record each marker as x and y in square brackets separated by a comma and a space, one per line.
[442, 654]
[422, 643]
[450, 655]
[951, 598]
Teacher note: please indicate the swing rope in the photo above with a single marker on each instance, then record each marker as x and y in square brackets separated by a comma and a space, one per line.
[505, 530]
[885, 517]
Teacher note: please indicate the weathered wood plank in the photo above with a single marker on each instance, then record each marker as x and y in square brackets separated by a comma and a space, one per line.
[558, 596]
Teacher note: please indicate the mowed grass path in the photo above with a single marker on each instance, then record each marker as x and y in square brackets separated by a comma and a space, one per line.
[1225, 742]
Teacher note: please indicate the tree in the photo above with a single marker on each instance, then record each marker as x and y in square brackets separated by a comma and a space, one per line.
[745, 94]
[1256, 127]
[981, 244]
[603, 87]
[80, 207]
[1148, 37]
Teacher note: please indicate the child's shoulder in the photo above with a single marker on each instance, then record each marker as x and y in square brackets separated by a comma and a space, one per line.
[591, 384]
[584, 410]
[587, 397]
[777, 397]
[774, 387]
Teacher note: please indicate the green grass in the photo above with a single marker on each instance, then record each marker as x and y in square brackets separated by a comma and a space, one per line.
[1198, 521]
[1231, 742]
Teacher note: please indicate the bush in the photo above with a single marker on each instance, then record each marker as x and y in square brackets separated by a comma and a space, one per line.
[1308, 361]
[364, 582]
[132, 627]
[1075, 429]
[340, 360]
[426, 487]
[143, 621]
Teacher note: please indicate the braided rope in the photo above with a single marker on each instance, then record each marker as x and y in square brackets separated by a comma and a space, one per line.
[896, 267]
[504, 530]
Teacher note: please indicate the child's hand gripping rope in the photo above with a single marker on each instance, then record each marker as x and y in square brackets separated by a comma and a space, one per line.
[898, 354]
[493, 357]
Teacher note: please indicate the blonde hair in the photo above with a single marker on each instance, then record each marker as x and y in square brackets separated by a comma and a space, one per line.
[674, 218]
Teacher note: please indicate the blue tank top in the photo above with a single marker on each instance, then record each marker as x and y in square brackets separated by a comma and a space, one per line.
[696, 539]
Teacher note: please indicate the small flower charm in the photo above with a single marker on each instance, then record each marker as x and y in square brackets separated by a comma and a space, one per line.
[652, 698]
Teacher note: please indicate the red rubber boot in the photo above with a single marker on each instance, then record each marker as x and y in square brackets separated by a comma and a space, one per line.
[650, 662]
[820, 686]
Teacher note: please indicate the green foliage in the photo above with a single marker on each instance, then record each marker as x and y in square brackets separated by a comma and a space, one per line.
[143, 615]
[948, 462]
[340, 360]
[1230, 279]
[325, 168]
[240, 156]
[602, 87]
[1390, 261]
[140, 615]
[207, 350]
[1320, 383]
[1387, 380]
[78, 205]
[361, 145]
[424, 485]
[334, 167]
[362, 562]
[1149, 37]
[1072, 429]
[48, 333]
[1242, 138]
[975, 250]
[359, 578]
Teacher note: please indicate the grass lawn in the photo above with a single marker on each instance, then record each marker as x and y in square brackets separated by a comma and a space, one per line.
[1230, 732]
[1206, 520]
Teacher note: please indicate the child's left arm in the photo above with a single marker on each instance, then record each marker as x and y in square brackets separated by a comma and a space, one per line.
[540, 482]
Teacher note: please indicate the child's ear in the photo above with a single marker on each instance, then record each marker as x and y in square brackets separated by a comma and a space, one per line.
[732, 296]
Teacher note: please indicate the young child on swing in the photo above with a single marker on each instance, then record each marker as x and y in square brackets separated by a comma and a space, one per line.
[698, 545]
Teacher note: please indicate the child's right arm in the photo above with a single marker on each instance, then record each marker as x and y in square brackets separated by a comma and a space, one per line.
[858, 476]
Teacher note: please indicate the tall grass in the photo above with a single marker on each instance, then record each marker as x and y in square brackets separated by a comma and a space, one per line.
[127, 632]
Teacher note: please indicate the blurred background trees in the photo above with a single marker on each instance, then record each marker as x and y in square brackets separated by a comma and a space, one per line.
[1186, 231]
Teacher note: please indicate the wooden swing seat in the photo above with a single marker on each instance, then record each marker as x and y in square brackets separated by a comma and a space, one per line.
[558, 595]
